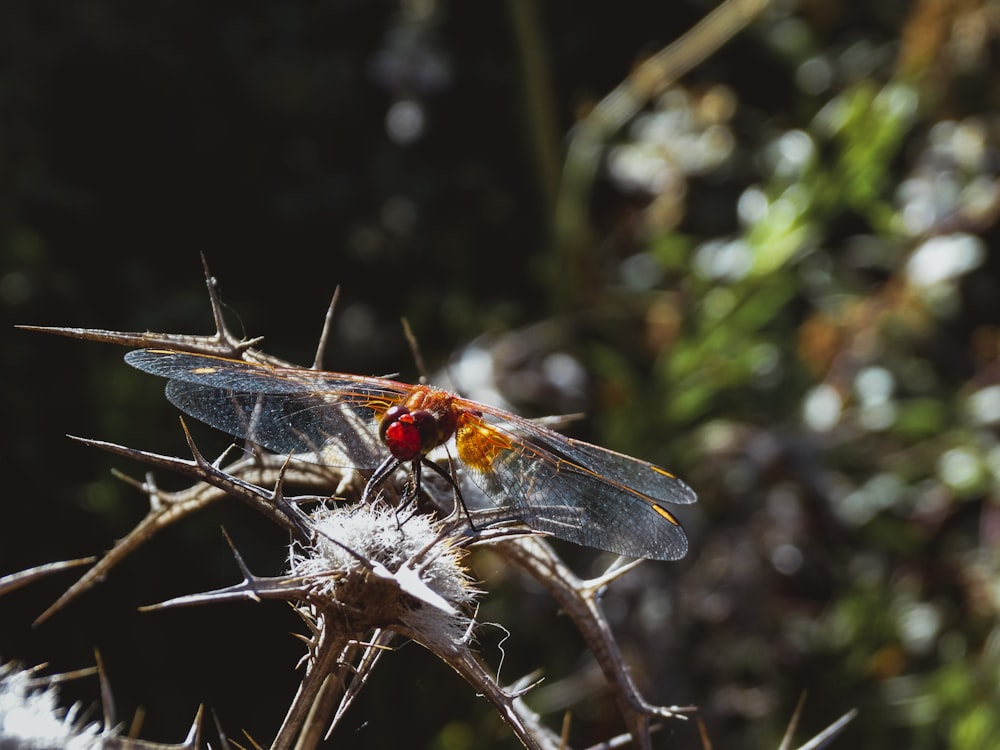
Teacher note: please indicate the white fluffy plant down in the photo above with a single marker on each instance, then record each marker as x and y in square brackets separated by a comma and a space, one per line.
[381, 568]
[31, 717]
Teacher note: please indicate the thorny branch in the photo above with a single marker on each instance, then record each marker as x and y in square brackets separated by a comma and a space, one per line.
[361, 578]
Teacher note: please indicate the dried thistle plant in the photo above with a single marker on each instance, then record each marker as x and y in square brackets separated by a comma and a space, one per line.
[364, 575]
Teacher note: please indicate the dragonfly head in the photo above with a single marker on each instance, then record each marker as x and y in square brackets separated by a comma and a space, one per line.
[409, 434]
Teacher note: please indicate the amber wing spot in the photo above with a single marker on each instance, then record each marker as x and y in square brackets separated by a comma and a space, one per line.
[666, 514]
[479, 445]
[204, 370]
[664, 472]
[379, 406]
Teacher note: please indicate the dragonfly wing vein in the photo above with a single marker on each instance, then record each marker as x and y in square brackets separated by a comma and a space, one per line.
[310, 427]
[570, 501]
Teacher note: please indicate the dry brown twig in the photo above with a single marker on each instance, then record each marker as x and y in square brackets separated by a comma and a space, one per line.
[356, 591]
[360, 578]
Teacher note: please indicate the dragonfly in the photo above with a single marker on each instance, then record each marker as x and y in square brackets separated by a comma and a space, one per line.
[567, 488]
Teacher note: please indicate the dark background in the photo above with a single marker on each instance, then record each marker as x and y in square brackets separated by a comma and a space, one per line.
[854, 560]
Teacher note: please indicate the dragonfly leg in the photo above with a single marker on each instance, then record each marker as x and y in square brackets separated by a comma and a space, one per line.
[409, 502]
[383, 472]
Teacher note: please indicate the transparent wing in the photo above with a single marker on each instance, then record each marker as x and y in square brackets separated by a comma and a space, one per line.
[573, 490]
[325, 418]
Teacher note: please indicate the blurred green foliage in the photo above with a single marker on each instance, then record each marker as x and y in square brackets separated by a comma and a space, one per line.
[778, 281]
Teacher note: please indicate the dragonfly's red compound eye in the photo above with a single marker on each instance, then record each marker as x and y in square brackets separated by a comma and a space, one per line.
[391, 416]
